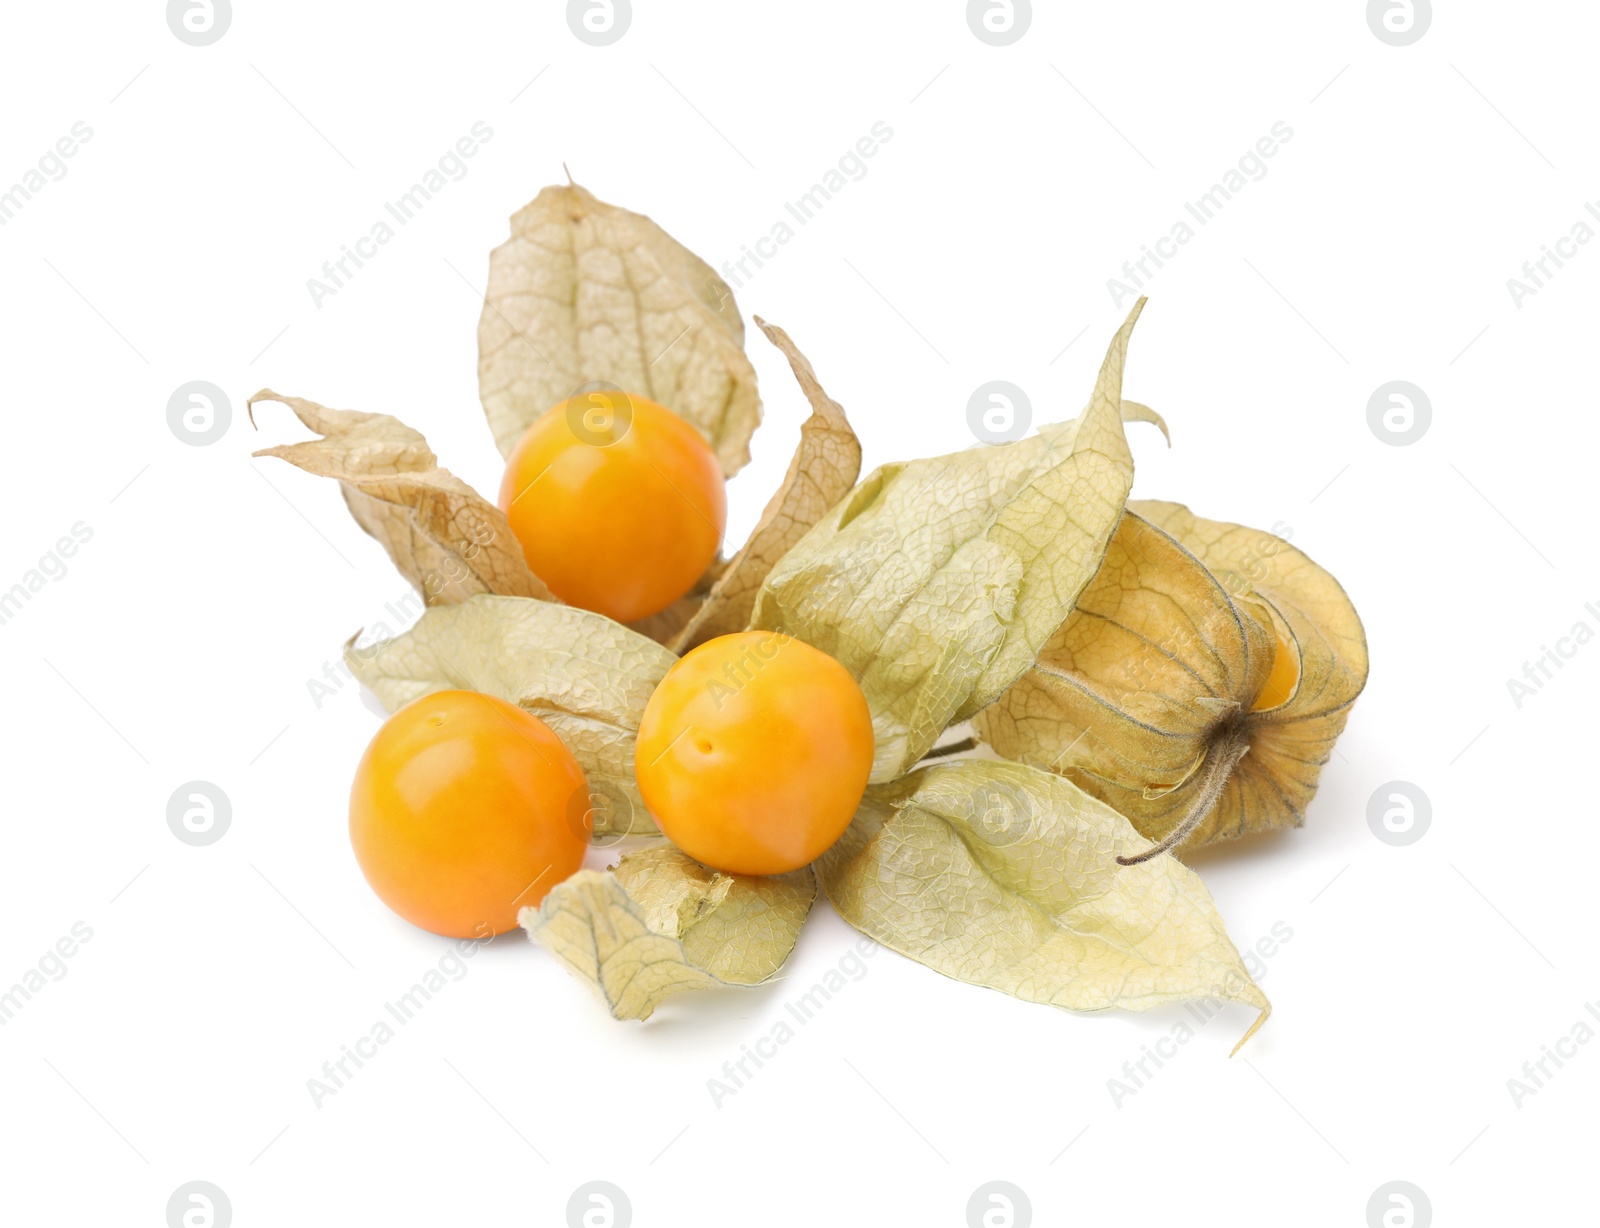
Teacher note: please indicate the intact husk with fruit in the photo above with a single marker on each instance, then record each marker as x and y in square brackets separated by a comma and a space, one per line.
[1199, 685]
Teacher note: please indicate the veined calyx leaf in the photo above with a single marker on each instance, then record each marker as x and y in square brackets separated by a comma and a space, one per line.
[662, 923]
[1005, 876]
[824, 467]
[585, 676]
[586, 292]
[445, 538]
[936, 582]
[1200, 684]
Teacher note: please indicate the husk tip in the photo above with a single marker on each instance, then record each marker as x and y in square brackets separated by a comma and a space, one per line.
[1255, 1027]
[266, 394]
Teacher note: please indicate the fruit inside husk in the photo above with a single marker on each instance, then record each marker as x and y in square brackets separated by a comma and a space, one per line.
[1199, 685]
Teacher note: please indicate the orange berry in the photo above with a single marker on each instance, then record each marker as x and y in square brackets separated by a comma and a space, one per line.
[465, 810]
[754, 751]
[619, 504]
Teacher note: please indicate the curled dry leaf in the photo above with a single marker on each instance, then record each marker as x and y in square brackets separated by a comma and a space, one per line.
[1135, 411]
[936, 582]
[824, 468]
[662, 923]
[584, 291]
[445, 538]
[1200, 684]
[1005, 876]
[585, 676]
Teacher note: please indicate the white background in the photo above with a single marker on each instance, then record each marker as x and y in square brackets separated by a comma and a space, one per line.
[180, 643]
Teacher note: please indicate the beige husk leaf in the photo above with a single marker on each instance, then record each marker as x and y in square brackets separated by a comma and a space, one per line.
[662, 923]
[445, 538]
[1005, 876]
[824, 467]
[936, 582]
[586, 292]
[1163, 677]
[585, 676]
[1134, 411]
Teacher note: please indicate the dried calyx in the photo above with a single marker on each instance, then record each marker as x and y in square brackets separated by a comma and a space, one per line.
[1196, 642]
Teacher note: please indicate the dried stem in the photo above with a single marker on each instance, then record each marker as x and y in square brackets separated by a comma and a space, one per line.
[950, 748]
[1228, 747]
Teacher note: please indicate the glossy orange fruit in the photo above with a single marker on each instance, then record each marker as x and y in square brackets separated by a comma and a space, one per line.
[465, 810]
[754, 752]
[618, 503]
